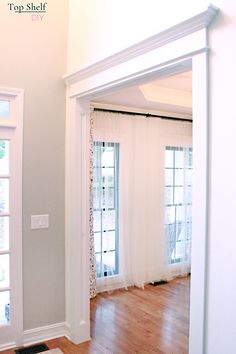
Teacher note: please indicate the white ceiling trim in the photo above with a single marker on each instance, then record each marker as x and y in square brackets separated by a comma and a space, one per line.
[180, 30]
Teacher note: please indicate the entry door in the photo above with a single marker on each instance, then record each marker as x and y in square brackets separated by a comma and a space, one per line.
[10, 222]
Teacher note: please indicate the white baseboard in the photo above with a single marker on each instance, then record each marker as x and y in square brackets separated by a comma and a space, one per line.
[67, 331]
[37, 335]
[41, 334]
[80, 336]
[7, 346]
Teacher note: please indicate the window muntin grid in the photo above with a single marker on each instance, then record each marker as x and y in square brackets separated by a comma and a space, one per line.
[106, 208]
[178, 202]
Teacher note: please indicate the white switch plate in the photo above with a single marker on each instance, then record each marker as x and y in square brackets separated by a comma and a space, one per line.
[39, 222]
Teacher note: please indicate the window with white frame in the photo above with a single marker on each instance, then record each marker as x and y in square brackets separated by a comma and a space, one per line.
[4, 230]
[106, 208]
[11, 122]
[178, 203]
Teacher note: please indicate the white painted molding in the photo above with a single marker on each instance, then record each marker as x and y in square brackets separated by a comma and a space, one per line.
[12, 129]
[7, 124]
[166, 53]
[41, 334]
[7, 346]
[11, 92]
[67, 331]
[173, 33]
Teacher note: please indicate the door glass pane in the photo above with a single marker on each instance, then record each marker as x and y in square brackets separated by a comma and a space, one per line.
[4, 157]
[4, 109]
[109, 241]
[97, 241]
[109, 221]
[179, 158]
[4, 307]
[169, 195]
[178, 197]
[4, 271]
[4, 233]
[189, 213]
[108, 177]
[180, 250]
[108, 196]
[188, 230]
[108, 260]
[179, 177]
[189, 158]
[4, 195]
[180, 213]
[108, 156]
[180, 231]
[188, 176]
[97, 221]
[169, 158]
[169, 176]
[99, 265]
[96, 198]
[169, 214]
[105, 207]
[189, 194]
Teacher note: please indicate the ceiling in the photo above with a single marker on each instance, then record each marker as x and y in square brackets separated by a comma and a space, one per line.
[169, 95]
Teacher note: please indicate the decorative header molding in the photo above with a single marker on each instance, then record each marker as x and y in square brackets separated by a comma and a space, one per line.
[194, 24]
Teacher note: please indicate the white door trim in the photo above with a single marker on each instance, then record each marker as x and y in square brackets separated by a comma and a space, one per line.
[183, 29]
[12, 128]
[183, 46]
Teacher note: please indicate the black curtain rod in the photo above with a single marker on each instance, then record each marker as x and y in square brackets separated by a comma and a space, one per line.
[142, 114]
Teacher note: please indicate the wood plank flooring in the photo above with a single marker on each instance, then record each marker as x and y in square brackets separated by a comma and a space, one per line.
[154, 320]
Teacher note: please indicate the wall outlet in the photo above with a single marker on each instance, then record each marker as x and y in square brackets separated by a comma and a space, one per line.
[39, 222]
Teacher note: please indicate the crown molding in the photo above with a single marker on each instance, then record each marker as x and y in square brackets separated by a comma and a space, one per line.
[11, 92]
[194, 24]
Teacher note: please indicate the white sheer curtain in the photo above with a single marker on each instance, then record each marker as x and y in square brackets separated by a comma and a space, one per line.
[143, 246]
[178, 208]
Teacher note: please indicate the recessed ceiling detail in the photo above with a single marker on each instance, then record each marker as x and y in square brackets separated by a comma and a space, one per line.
[169, 95]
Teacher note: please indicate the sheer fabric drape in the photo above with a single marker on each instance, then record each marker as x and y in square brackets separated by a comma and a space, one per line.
[143, 248]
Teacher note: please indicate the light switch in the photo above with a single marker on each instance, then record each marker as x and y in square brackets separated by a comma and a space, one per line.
[39, 222]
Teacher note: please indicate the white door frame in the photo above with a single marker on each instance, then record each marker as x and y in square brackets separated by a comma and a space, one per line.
[177, 49]
[11, 335]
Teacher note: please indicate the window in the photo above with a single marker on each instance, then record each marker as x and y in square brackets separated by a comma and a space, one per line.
[106, 208]
[178, 203]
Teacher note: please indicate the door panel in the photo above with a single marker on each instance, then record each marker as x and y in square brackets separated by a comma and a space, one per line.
[11, 308]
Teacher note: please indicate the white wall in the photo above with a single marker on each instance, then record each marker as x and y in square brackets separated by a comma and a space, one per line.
[33, 57]
[222, 260]
[107, 26]
[98, 29]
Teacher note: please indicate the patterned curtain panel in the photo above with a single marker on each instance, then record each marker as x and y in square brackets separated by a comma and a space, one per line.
[92, 263]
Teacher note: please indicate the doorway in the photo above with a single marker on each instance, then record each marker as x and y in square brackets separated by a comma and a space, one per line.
[154, 183]
[135, 146]
[187, 50]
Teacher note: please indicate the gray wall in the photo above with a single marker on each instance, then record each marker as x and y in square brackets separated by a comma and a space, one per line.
[33, 57]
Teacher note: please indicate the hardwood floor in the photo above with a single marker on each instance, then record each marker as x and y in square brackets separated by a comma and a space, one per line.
[154, 320]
